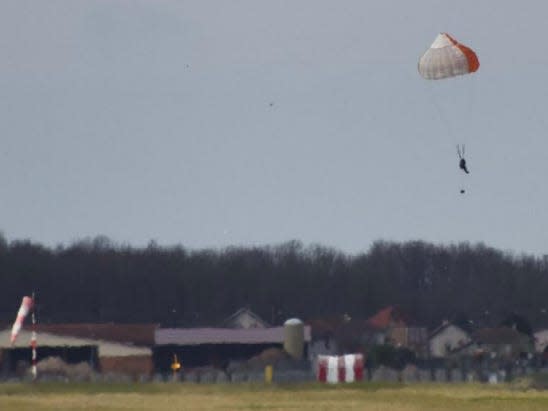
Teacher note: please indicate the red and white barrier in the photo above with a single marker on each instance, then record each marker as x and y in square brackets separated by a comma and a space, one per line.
[344, 368]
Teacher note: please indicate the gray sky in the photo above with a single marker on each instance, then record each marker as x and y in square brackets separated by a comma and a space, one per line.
[152, 119]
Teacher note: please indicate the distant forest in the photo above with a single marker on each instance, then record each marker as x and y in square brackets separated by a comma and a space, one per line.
[95, 280]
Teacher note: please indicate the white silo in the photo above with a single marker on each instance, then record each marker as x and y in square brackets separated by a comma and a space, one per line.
[294, 338]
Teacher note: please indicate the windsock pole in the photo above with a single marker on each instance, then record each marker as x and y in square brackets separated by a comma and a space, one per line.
[33, 340]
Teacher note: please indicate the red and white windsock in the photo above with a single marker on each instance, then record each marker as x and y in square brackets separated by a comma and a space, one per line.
[446, 58]
[26, 306]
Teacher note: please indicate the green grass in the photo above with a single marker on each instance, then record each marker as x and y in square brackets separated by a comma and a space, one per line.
[359, 396]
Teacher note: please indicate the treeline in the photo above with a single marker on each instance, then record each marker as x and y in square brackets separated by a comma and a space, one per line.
[98, 281]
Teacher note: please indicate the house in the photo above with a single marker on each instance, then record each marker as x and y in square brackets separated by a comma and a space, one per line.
[328, 335]
[343, 334]
[389, 317]
[394, 327]
[541, 344]
[445, 339]
[323, 336]
[541, 341]
[244, 318]
[339, 335]
[410, 337]
[106, 348]
[502, 342]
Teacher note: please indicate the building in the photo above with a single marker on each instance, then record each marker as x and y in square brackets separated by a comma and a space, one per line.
[107, 348]
[501, 342]
[242, 335]
[338, 335]
[389, 317]
[541, 341]
[324, 336]
[445, 339]
[215, 347]
[541, 345]
[244, 318]
[394, 327]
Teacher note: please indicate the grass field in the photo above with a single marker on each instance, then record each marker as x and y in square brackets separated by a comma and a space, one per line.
[363, 396]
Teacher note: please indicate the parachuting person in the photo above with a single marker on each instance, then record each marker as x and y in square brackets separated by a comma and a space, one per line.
[462, 160]
[448, 58]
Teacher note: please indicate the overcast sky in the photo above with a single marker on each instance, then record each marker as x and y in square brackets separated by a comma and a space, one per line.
[249, 122]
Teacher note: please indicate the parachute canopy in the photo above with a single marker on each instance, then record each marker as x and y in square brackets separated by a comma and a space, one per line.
[446, 58]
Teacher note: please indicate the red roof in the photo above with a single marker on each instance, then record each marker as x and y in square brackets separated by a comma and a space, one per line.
[196, 336]
[137, 334]
[387, 317]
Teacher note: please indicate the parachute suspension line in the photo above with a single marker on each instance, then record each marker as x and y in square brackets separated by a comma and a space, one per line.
[447, 58]
[441, 115]
[460, 151]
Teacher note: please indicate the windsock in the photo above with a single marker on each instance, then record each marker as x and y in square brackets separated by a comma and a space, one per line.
[26, 306]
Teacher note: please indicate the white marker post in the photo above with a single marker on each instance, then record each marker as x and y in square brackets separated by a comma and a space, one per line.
[33, 340]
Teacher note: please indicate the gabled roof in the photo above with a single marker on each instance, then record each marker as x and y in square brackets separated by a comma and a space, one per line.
[197, 336]
[541, 333]
[46, 339]
[137, 334]
[388, 317]
[494, 337]
[444, 326]
[231, 322]
[499, 335]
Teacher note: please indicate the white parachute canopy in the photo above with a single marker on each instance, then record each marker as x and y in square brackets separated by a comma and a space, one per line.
[26, 306]
[447, 58]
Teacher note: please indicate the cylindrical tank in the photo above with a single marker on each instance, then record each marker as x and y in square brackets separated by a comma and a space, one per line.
[294, 338]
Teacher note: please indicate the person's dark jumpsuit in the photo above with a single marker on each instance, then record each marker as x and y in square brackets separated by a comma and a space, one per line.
[462, 165]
